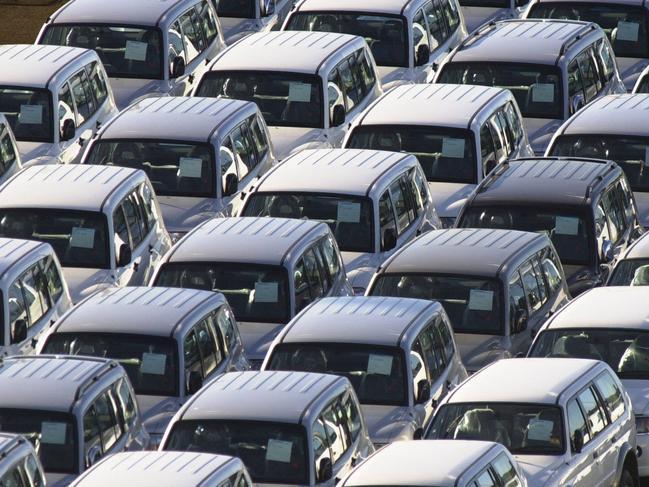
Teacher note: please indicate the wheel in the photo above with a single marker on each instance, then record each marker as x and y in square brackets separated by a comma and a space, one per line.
[627, 479]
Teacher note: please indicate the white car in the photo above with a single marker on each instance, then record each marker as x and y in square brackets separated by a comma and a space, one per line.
[9, 156]
[19, 463]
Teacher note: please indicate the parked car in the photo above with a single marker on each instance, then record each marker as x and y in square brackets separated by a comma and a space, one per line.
[631, 267]
[585, 206]
[642, 85]
[398, 353]
[200, 154]
[159, 48]
[240, 18]
[477, 13]
[408, 38]
[268, 269]
[19, 463]
[552, 67]
[287, 427]
[497, 286]
[293, 77]
[457, 132]
[566, 421]
[103, 222]
[54, 99]
[9, 156]
[76, 410]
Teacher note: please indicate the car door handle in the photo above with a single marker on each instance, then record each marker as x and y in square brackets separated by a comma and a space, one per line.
[595, 455]
[190, 78]
[613, 439]
[136, 266]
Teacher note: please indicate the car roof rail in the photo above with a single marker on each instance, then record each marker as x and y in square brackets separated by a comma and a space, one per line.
[94, 378]
[608, 167]
[471, 38]
[498, 171]
[577, 37]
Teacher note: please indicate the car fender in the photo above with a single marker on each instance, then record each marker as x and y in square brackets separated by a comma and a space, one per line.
[625, 451]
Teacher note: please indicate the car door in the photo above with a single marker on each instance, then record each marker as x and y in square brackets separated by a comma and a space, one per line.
[599, 445]
[583, 470]
[9, 159]
[339, 438]
[140, 253]
[407, 213]
[610, 397]
[158, 240]
[537, 297]
[519, 313]
[194, 45]
[247, 160]
[102, 430]
[429, 344]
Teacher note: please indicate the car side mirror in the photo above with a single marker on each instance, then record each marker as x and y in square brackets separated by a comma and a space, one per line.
[389, 240]
[577, 441]
[338, 116]
[423, 391]
[520, 320]
[269, 7]
[231, 185]
[177, 67]
[489, 166]
[607, 251]
[19, 331]
[125, 255]
[325, 470]
[576, 103]
[423, 55]
[68, 130]
[194, 382]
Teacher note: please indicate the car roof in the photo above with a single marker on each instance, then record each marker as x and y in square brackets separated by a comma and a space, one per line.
[243, 240]
[278, 396]
[34, 66]
[14, 249]
[420, 463]
[340, 171]
[529, 380]
[613, 114]
[361, 320]
[8, 441]
[638, 249]
[470, 251]
[156, 311]
[395, 7]
[292, 51]
[71, 186]
[192, 119]
[441, 105]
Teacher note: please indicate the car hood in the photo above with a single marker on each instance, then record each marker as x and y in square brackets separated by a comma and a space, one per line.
[181, 214]
[540, 132]
[257, 337]
[286, 139]
[386, 424]
[639, 393]
[392, 76]
[157, 411]
[479, 350]
[449, 198]
[630, 69]
[84, 282]
[360, 267]
[642, 202]
[59, 479]
[236, 28]
[126, 90]
[474, 17]
[539, 469]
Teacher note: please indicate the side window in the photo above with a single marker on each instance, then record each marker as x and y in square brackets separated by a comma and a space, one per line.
[366, 72]
[421, 185]
[605, 56]
[485, 479]
[335, 93]
[416, 196]
[434, 364]
[35, 293]
[210, 353]
[226, 159]
[506, 471]
[436, 26]
[13, 478]
[531, 286]
[499, 138]
[577, 422]
[487, 148]
[98, 83]
[400, 205]
[517, 302]
[350, 87]
[7, 151]
[514, 120]
[417, 365]
[191, 36]
[447, 338]
[225, 322]
[508, 130]
[313, 274]
[359, 80]
[611, 394]
[150, 209]
[592, 410]
[626, 200]
[575, 82]
[353, 415]
[386, 214]
[614, 216]
[66, 105]
[192, 354]
[208, 21]
[91, 434]
[320, 443]
[331, 257]
[327, 278]
[17, 307]
[176, 46]
[244, 150]
[82, 97]
[133, 221]
[451, 14]
[126, 400]
[543, 291]
[109, 426]
[121, 229]
[259, 136]
[34, 473]
[419, 32]
[338, 441]
[552, 275]
[302, 291]
[589, 75]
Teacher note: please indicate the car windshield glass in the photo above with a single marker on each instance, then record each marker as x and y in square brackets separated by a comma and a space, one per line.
[643, 86]
[445, 155]
[472, 304]
[150, 362]
[240, 9]
[386, 35]
[525, 429]
[127, 52]
[255, 293]
[377, 373]
[631, 153]
[626, 351]
[285, 99]
[537, 88]
[272, 452]
[349, 218]
[567, 230]
[486, 3]
[625, 25]
[630, 272]
[52, 434]
[78, 237]
[29, 113]
[175, 169]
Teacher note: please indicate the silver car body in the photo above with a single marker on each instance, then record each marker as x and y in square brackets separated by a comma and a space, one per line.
[235, 28]
[9, 155]
[642, 85]
[19, 459]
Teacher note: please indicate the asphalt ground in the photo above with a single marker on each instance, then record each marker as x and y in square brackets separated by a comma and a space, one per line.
[20, 20]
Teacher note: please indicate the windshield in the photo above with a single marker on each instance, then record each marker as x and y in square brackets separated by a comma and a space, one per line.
[53, 434]
[568, 230]
[631, 153]
[175, 169]
[445, 155]
[78, 237]
[625, 25]
[525, 429]
[385, 35]
[472, 304]
[272, 452]
[29, 112]
[349, 218]
[255, 292]
[285, 99]
[643, 86]
[377, 373]
[630, 272]
[150, 362]
[241, 9]
[126, 51]
[626, 351]
[537, 88]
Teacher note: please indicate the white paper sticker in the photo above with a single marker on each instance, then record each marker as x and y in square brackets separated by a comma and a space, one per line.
[278, 451]
[135, 51]
[540, 430]
[566, 225]
[53, 433]
[190, 167]
[153, 363]
[480, 300]
[379, 364]
[453, 147]
[31, 114]
[349, 211]
[82, 237]
[543, 93]
[627, 31]
[299, 92]
[266, 292]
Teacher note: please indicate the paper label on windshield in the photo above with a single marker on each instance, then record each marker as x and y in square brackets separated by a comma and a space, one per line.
[480, 300]
[348, 211]
[540, 430]
[31, 114]
[452, 147]
[190, 167]
[379, 364]
[82, 237]
[566, 225]
[299, 92]
[135, 51]
[278, 451]
[543, 93]
[53, 433]
[153, 363]
[266, 292]
[627, 31]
